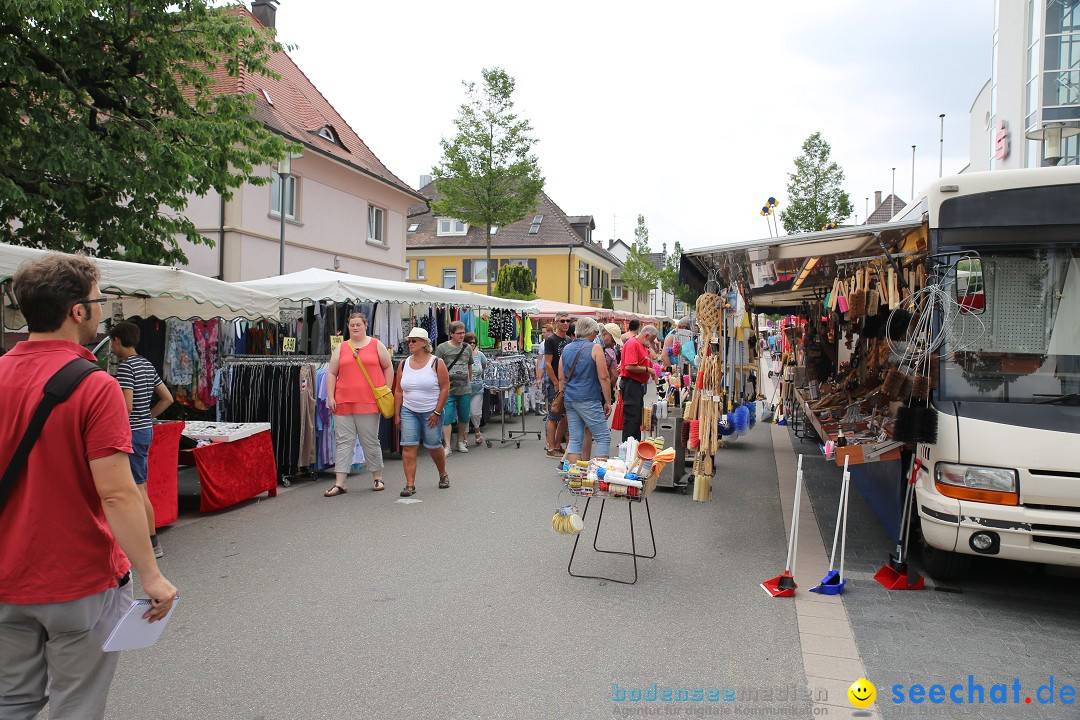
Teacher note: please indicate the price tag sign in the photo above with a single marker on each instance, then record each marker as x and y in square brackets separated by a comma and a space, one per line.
[335, 340]
[509, 346]
[289, 345]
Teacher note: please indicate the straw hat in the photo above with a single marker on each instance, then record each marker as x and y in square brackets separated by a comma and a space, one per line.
[616, 332]
[419, 332]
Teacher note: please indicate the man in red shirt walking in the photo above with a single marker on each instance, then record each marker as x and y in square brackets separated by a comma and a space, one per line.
[74, 516]
[634, 372]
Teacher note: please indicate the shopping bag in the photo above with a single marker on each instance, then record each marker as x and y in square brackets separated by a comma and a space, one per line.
[617, 415]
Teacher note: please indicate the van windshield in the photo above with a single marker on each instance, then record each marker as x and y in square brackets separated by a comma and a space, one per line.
[1019, 340]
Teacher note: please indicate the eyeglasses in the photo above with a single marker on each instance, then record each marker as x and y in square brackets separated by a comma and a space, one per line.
[460, 332]
[95, 301]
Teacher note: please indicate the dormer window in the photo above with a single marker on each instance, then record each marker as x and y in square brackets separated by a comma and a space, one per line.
[327, 133]
[449, 226]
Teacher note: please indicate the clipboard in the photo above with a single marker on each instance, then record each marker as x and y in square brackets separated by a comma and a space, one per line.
[133, 632]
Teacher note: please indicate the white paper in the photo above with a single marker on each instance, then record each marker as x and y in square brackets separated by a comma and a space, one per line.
[133, 632]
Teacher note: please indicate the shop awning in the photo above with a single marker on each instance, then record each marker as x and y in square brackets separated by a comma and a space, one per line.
[846, 242]
[164, 292]
[316, 284]
[548, 308]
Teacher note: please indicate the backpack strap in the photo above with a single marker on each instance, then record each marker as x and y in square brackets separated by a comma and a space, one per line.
[57, 390]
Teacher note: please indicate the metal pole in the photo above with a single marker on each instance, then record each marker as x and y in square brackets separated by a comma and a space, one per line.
[941, 146]
[281, 213]
[892, 195]
[912, 196]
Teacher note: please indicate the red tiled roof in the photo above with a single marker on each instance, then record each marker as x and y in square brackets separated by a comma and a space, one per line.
[299, 111]
[555, 231]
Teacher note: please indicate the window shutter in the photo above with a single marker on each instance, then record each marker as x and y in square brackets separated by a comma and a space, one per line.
[531, 262]
[466, 270]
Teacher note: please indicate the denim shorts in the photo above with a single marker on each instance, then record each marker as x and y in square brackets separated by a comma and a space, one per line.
[415, 428]
[140, 446]
[457, 409]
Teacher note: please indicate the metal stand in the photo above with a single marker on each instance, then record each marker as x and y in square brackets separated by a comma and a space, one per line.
[508, 436]
[633, 545]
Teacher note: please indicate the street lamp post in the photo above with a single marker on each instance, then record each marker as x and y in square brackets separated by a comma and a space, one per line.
[284, 170]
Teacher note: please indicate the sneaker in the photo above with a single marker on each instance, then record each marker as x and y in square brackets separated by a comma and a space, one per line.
[462, 447]
[159, 552]
[446, 450]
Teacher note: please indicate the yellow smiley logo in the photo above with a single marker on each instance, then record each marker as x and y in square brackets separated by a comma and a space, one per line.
[862, 693]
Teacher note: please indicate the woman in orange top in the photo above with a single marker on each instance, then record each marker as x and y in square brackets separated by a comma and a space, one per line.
[352, 401]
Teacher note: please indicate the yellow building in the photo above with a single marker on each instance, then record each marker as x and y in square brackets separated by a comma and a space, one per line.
[557, 248]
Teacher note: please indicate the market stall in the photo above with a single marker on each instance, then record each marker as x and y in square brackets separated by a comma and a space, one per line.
[197, 316]
[852, 356]
[316, 304]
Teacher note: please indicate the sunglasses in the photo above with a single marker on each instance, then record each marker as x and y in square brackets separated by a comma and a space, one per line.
[419, 340]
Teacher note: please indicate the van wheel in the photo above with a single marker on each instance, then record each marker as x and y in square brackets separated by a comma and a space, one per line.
[944, 565]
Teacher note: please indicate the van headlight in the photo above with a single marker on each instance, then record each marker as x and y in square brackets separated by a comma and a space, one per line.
[979, 483]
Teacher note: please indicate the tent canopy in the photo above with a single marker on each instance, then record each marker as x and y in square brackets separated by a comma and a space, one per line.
[164, 292]
[548, 308]
[316, 284]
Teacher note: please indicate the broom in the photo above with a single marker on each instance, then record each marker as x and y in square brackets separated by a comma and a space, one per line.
[784, 585]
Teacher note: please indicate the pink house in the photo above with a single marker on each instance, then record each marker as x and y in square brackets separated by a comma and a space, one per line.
[344, 209]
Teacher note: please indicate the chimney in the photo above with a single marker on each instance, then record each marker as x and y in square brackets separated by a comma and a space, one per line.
[265, 11]
[425, 180]
[877, 199]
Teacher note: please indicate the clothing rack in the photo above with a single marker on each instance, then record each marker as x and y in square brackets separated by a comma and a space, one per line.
[281, 359]
[508, 436]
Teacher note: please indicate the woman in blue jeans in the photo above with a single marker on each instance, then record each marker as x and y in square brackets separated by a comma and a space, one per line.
[583, 376]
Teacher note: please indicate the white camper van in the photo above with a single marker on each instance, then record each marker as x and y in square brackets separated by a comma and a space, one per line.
[1003, 478]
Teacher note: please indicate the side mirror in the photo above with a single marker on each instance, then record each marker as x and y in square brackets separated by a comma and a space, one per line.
[970, 286]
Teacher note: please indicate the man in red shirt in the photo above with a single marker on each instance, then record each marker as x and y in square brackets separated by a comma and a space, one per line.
[634, 372]
[74, 516]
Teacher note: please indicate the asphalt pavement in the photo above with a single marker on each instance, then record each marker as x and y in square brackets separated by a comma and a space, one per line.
[460, 605]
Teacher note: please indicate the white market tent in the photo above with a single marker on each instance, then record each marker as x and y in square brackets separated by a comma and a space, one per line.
[315, 284]
[164, 292]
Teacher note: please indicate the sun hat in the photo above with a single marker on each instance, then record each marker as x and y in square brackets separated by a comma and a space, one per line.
[419, 332]
[616, 332]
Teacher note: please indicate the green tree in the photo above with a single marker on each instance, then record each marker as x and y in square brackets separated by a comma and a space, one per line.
[669, 277]
[515, 282]
[109, 115]
[608, 302]
[815, 193]
[487, 176]
[638, 272]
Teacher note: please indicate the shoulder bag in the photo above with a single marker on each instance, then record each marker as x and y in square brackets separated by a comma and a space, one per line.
[57, 390]
[384, 398]
[557, 401]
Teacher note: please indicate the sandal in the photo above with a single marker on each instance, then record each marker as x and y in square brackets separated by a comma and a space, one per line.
[479, 439]
[408, 491]
[378, 486]
[444, 481]
[335, 491]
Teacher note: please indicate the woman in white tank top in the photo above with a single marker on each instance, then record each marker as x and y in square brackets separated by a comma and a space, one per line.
[420, 393]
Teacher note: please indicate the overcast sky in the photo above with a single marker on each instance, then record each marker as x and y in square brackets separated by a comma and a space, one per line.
[690, 114]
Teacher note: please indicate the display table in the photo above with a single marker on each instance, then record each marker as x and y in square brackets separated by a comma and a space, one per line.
[234, 470]
[161, 472]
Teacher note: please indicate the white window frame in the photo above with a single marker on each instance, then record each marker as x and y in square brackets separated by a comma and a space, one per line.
[480, 277]
[616, 291]
[453, 272]
[421, 269]
[376, 225]
[291, 196]
[449, 227]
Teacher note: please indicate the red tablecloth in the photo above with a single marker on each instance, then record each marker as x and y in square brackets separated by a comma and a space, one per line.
[231, 472]
[161, 472]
